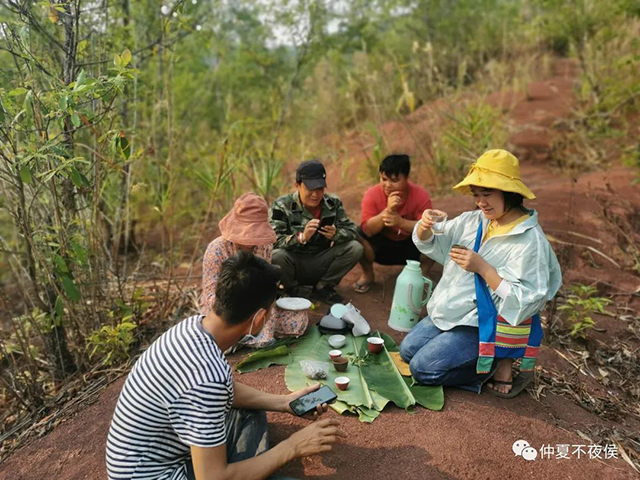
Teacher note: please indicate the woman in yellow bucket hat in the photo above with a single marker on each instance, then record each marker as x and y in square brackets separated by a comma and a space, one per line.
[499, 272]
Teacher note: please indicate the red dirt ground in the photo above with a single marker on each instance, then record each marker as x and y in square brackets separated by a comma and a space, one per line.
[471, 438]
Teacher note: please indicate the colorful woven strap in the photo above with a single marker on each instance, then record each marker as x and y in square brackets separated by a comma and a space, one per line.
[498, 338]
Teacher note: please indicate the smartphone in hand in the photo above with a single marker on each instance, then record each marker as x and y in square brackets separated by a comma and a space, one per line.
[307, 403]
[327, 221]
[330, 220]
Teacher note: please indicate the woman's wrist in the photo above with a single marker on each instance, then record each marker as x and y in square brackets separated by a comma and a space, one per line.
[490, 275]
[423, 234]
[485, 269]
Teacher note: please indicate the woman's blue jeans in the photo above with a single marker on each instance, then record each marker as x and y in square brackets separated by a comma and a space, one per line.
[443, 357]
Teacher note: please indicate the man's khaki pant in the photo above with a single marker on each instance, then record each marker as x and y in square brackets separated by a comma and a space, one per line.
[325, 268]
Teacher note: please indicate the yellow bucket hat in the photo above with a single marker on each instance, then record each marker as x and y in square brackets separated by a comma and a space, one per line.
[496, 169]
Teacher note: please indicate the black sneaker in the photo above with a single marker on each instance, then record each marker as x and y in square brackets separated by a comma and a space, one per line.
[328, 295]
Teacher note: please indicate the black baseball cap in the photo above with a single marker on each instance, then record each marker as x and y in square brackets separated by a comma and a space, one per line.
[312, 173]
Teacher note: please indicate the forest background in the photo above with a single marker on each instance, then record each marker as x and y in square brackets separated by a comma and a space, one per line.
[128, 128]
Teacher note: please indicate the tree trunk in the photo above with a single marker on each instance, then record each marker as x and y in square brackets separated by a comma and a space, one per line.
[59, 355]
[56, 339]
[70, 23]
[121, 240]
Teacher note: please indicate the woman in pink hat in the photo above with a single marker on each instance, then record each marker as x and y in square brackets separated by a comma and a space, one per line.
[246, 227]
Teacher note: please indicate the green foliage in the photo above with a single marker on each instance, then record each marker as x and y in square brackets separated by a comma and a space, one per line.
[113, 343]
[266, 178]
[631, 158]
[609, 91]
[373, 159]
[11, 348]
[466, 134]
[581, 304]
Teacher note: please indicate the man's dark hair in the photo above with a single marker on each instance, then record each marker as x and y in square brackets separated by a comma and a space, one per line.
[512, 200]
[246, 284]
[394, 165]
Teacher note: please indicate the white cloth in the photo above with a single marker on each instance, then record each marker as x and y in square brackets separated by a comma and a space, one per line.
[503, 289]
[523, 258]
[353, 316]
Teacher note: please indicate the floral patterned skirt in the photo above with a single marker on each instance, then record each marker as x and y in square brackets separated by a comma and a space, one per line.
[281, 323]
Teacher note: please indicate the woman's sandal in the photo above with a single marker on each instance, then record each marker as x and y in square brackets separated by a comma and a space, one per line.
[518, 384]
[362, 287]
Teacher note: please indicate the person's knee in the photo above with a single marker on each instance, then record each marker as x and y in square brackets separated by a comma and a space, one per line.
[258, 417]
[417, 338]
[407, 351]
[425, 373]
[254, 421]
[281, 257]
[353, 251]
[430, 366]
[368, 254]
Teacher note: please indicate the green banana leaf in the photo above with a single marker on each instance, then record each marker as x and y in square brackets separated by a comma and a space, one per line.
[314, 346]
[431, 397]
[382, 375]
[279, 355]
[426, 396]
[365, 415]
[374, 379]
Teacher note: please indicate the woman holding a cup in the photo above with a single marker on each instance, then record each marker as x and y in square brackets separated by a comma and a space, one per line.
[499, 272]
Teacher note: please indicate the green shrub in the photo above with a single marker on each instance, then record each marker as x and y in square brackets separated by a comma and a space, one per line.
[113, 343]
[466, 134]
[581, 304]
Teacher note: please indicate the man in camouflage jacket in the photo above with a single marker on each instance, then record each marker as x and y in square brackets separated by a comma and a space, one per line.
[317, 242]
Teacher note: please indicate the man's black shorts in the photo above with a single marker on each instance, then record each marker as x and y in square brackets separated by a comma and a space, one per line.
[391, 252]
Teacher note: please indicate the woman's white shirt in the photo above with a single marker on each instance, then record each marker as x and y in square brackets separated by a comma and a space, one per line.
[523, 258]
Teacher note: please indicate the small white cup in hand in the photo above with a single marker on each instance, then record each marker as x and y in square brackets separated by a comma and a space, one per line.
[426, 222]
[437, 219]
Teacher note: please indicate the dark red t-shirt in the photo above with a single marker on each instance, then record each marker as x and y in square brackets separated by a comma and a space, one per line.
[375, 201]
[316, 212]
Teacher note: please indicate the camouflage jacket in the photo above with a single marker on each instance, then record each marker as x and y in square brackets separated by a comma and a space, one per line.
[288, 217]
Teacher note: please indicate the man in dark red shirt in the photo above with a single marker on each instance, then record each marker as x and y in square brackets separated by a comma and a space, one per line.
[390, 210]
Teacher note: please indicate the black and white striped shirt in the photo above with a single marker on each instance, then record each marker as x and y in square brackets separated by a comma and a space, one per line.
[177, 395]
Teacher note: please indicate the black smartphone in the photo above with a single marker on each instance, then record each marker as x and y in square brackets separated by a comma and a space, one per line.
[324, 222]
[307, 403]
[327, 221]
[462, 247]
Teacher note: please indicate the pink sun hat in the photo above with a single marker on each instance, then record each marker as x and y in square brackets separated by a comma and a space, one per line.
[248, 222]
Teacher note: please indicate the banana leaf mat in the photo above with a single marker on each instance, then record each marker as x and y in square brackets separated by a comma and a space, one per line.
[374, 380]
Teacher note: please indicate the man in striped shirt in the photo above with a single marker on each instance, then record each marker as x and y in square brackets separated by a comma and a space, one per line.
[181, 416]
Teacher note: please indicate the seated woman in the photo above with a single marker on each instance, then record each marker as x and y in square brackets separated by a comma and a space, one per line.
[246, 227]
[473, 332]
